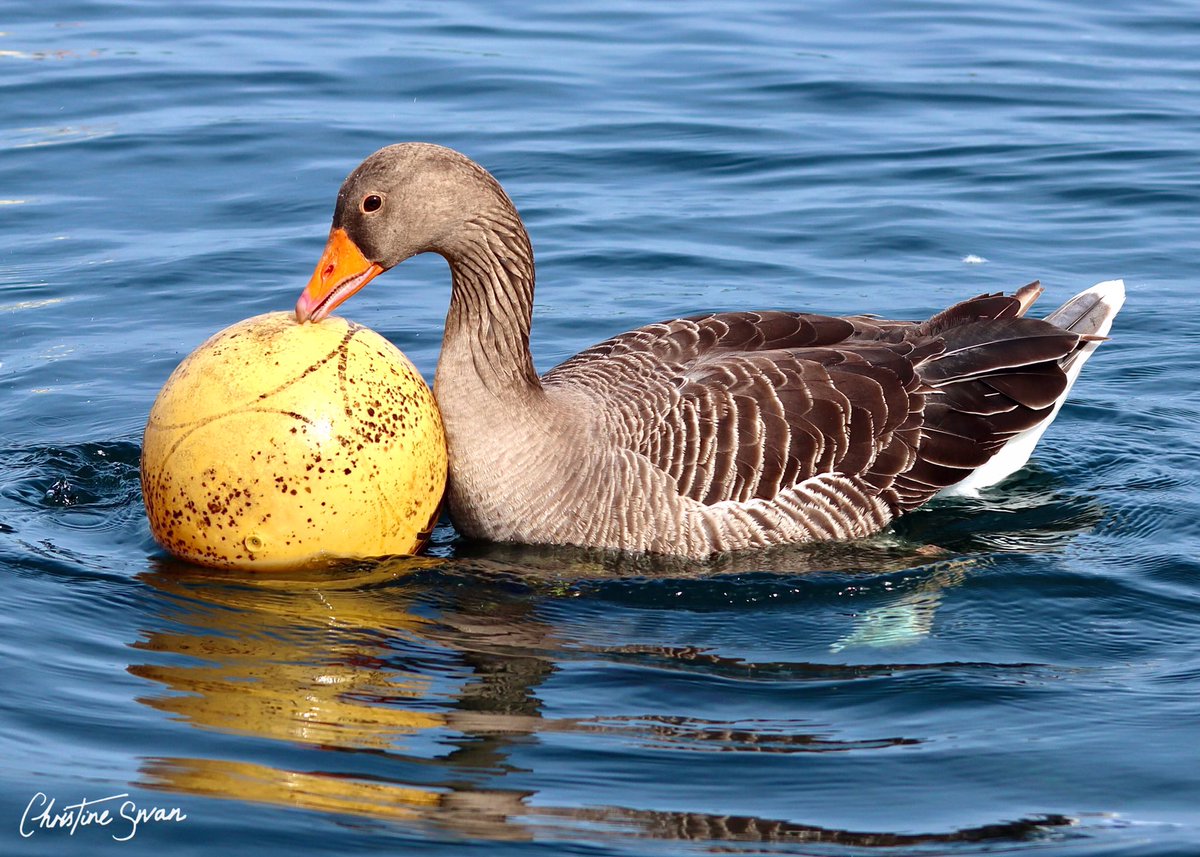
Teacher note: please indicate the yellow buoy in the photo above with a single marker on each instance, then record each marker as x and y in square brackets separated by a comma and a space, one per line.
[275, 444]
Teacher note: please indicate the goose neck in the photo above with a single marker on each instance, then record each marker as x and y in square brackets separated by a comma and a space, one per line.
[491, 307]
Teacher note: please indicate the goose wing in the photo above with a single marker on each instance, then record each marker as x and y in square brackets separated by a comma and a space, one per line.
[739, 406]
[744, 406]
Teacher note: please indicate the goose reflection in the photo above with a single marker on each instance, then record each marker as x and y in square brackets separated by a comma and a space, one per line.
[403, 691]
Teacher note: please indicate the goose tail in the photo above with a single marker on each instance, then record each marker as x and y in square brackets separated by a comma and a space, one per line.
[1089, 314]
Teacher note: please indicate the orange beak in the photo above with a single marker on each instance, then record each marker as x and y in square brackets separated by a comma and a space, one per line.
[342, 271]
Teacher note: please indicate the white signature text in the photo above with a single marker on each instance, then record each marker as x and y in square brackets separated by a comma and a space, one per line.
[123, 818]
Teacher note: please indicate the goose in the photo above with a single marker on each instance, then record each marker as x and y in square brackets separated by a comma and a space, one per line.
[702, 435]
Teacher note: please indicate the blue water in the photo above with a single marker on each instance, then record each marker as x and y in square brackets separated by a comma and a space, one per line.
[1018, 673]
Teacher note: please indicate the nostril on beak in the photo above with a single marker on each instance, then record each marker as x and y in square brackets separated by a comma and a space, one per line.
[328, 270]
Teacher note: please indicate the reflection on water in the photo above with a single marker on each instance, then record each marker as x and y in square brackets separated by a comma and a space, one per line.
[906, 619]
[342, 661]
[283, 664]
[435, 666]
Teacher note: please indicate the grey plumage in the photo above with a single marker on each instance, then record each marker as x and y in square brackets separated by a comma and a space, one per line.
[712, 433]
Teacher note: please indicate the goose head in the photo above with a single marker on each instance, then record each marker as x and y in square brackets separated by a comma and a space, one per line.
[405, 199]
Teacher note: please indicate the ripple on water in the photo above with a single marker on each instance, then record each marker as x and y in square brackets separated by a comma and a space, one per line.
[73, 507]
[90, 481]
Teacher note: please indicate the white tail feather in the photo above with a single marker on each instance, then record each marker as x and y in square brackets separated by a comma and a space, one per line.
[1089, 312]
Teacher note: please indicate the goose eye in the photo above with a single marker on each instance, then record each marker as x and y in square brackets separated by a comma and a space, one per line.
[373, 202]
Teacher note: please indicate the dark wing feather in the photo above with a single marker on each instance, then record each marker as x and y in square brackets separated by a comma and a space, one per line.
[738, 406]
[993, 380]
[1034, 387]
